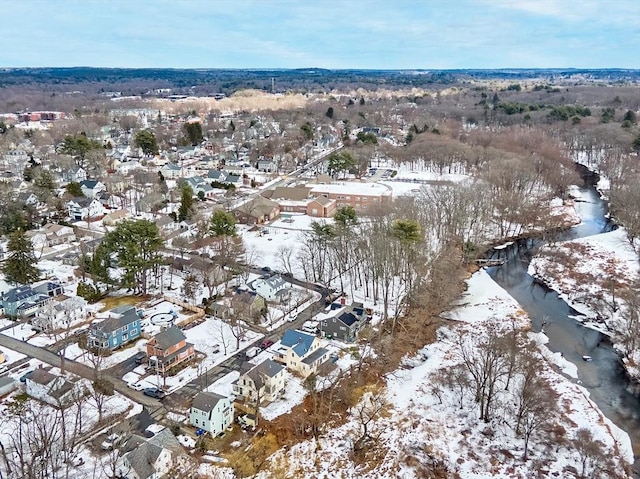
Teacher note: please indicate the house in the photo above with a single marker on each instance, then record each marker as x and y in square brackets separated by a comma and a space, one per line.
[7, 385]
[75, 174]
[24, 301]
[80, 208]
[264, 382]
[171, 171]
[198, 185]
[116, 217]
[92, 188]
[258, 210]
[59, 312]
[168, 349]
[321, 207]
[51, 235]
[267, 165]
[54, 390]
[58, 234]
[27, 198]
[225, 177]
[301, 352]
[149, 458]
[346, 325]
[121, 326]
[211, 412]
[274, 288]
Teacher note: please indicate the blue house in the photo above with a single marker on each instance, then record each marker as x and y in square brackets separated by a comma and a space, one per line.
[24, 301]
[121, 327]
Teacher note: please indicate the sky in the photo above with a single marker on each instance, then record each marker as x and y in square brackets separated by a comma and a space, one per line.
[368, 34]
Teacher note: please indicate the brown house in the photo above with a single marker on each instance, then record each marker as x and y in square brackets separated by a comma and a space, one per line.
[168, 349]
[322, 207]
[259, 210]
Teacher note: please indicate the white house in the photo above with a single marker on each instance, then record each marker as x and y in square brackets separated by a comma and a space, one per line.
[274, 288]
[301, 352]
[76, 174]
[92, 188]
[54, 390]
[84, 208]
[264, 382]
[171, 171]
[211, 412]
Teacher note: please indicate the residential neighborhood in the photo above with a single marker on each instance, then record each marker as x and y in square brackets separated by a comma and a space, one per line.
[270, 283]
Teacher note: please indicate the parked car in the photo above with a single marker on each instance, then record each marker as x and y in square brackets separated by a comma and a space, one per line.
[266, 344]
[293, 316]
[140, 358]
[252, 352]
[154, 393]
[266, 269]
[136, 386]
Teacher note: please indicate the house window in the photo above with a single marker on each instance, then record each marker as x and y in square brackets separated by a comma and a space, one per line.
[197, 422]
[125, 336]
[348, 198]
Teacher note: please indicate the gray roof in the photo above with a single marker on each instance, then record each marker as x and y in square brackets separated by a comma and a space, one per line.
[125, 315]
[169, 337]
[143, 453]
[41, 376]
[267, 368]
[206, 401]
[317, 354]
[4, 380]
[142, 458]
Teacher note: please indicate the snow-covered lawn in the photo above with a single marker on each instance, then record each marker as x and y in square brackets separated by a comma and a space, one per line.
[75, 352]
[294, 393]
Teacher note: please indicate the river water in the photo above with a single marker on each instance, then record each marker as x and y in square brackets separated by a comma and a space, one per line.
[603, 377]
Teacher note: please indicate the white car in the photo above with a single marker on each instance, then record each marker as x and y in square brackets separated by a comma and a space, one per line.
[293, 316]
[136, 386]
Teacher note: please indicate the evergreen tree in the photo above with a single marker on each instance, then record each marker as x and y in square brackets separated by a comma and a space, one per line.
[186, 204]
[146, 140]
[223, 223]
[329, 112]
[74, 189]
[136, 246]
[346, 215]
[20, 265]
[193, 132]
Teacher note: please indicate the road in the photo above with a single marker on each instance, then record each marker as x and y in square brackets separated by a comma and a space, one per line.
[77, 368]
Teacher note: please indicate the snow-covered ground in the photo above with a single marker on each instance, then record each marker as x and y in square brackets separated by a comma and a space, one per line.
[420, 427]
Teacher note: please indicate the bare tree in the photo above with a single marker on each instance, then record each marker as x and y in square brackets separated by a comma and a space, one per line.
[366, 412]
[486, 364]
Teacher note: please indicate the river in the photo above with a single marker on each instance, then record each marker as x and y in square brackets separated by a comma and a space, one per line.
[603, 377]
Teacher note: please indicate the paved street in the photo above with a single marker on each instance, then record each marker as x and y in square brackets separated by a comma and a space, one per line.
[76, 368]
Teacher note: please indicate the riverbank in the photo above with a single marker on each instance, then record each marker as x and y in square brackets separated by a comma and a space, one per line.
[594, 275]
